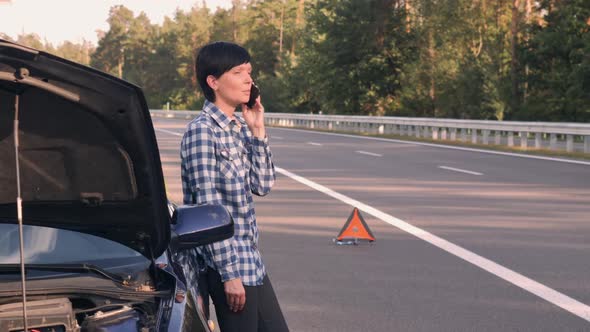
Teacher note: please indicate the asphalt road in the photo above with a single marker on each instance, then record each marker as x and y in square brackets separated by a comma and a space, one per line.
[529, 218]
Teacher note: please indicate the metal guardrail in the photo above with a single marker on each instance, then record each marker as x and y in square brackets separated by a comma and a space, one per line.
[571, 137]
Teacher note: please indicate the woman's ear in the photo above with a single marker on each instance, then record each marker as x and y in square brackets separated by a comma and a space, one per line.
[212, 82]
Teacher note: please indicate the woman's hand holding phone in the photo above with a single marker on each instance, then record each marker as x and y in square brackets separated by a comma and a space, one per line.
[253, 113]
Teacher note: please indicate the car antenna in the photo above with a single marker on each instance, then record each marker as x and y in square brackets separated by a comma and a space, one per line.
[19, 209]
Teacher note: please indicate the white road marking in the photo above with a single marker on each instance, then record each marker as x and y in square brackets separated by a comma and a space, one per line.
[313, 143]
[459, 170]
[519, 155]
[561, 300]
[277, 137]
[169, 132]
[370, 153]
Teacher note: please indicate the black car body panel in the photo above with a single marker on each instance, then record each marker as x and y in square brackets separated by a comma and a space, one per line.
[88, 151]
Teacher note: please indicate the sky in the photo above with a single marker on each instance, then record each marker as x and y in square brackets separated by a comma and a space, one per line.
[74, 20]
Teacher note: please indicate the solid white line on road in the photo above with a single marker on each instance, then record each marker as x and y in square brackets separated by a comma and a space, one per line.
[519, 155]
[459, 170]
[561, 300]
[370, 153]
[313, 143]
[277, 137]
[169, 132]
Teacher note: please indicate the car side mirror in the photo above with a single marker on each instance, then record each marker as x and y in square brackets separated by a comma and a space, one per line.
[197, 225]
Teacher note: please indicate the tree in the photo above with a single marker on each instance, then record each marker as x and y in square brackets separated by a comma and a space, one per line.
[178, 44]
[558, 57]
[79, 53]
[353, 68]
[31, 40]
[110, 53]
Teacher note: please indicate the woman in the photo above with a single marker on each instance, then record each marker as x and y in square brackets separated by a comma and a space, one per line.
[225, 159]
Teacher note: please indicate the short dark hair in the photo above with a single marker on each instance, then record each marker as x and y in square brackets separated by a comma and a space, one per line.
[215, 59]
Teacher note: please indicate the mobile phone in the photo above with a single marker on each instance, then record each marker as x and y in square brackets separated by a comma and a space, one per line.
[254, 93]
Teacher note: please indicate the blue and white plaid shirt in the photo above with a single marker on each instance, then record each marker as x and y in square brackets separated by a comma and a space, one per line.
[222, 163]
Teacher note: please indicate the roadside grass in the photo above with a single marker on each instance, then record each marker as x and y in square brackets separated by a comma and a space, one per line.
[515, 149]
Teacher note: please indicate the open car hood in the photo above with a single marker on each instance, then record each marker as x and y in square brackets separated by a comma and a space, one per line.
[89, 160]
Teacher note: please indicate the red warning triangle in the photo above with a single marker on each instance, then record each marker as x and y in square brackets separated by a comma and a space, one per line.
[356, 228]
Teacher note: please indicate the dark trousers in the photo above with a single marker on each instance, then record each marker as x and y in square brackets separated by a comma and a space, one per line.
[261, 313]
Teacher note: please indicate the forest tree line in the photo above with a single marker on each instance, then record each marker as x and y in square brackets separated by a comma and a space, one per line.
[468, 59]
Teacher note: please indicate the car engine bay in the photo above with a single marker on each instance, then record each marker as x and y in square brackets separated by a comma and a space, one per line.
[75, 315]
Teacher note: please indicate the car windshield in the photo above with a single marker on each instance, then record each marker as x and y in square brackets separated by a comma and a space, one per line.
[45, 245]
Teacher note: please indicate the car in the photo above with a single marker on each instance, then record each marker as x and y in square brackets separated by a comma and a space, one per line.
[82, 193]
